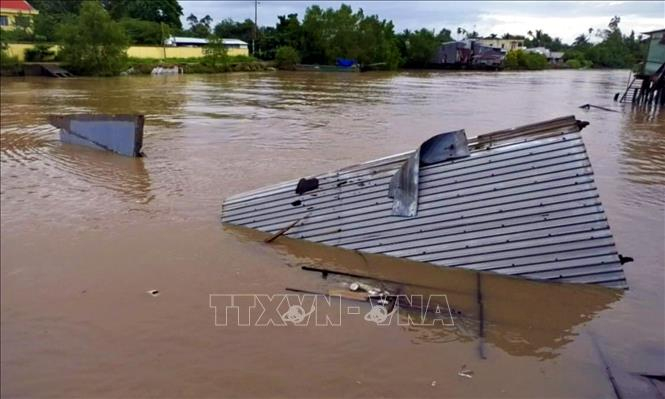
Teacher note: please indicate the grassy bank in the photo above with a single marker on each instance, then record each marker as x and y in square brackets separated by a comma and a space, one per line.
[141, 66]
[10, 66]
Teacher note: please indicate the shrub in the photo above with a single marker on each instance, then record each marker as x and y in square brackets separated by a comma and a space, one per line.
[286, 58]
[511, 61]
[214, 54]
[518, 59]
[40, 52]
[574, 63]
[9, 65]
[534, 61]
[94, 44]
[8, 62]
[576, 59]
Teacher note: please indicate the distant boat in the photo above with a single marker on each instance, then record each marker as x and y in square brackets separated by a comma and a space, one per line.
[327, 68]
[520, 202]
[341, 65]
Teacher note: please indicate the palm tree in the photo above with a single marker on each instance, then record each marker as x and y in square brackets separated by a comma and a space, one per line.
[539, 37]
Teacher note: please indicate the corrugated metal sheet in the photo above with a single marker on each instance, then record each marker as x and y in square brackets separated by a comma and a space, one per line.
[524, 203]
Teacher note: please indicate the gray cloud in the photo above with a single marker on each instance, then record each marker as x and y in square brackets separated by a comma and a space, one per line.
[557, 18]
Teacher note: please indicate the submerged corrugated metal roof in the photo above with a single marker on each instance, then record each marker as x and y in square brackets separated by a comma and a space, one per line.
[524, 203]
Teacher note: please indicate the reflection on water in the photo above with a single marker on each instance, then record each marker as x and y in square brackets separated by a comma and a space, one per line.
[512, 308]
[85, 234]
[644, 148]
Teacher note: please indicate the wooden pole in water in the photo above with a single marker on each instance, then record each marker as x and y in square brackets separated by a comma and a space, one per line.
[256, 15]
[161, 24]
[481, 317]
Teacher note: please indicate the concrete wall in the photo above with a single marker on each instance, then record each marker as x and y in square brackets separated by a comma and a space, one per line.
[175, 52]
[18, 50]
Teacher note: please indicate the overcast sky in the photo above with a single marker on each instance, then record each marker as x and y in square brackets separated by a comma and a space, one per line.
[557, 18]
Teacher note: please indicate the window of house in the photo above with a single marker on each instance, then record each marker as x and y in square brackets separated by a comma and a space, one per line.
[519, 44]
[4, 21]
[503, 45]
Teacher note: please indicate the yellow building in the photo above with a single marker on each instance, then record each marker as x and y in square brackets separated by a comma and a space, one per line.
[10, 10]
[153, 52]
[503, 44]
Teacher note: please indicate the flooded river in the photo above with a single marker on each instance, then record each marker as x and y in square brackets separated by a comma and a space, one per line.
[85, 234]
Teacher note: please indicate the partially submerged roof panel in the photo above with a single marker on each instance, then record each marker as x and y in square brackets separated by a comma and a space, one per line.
[122, 134]
[522, 203]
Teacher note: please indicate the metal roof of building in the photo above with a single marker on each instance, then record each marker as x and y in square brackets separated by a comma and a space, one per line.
[233, 41]
[523, 203]
[653, 31]
[198, 40]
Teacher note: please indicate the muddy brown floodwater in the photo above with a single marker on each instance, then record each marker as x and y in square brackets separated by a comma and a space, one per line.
[85, 234]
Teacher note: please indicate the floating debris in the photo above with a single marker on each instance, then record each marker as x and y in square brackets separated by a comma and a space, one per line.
[162, 70]
[464, 372]
[520, 201]
[153, 292]
[589, 106]
[122, 134]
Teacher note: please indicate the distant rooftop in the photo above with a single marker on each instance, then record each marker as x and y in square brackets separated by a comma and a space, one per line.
[197, 41]
[654, 31]
[17, 5]
[511, 37]
[233, 41]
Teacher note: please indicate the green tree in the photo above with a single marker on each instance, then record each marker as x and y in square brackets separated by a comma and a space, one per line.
[315, 36]
[159, 11]
[94, 44]
[542, 39]
[511, 61]
[473, 35]
[518, 59]
[418, 48]
[330, 34]
[228, 28]
[145, 32]
[445, 36]
[46, 25]
[215, 53]
[8, 64]
[287, 32]
[378, 43]
[57, 6]
[581, 41]
[286, 57]
[199, 27]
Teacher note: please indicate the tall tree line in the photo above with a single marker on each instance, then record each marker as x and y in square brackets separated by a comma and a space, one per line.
[320, 36]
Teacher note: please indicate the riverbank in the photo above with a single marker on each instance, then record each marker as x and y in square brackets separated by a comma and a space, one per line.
[145, 66]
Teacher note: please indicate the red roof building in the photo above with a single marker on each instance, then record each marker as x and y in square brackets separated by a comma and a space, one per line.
[10, 9]
[17, 5]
